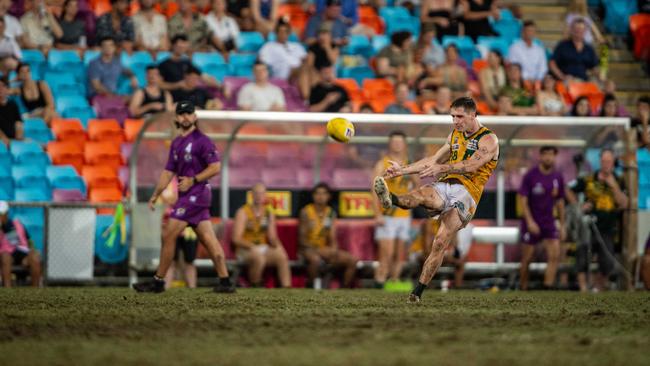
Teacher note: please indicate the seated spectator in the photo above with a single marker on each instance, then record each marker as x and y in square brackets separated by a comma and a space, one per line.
[441, 15]
[331, 15]
[13, 28]
[401, 97]
[611, 107]
[16, 248]
[261, 95]
[642, 122]
[73, 28]
[282, 57]
[427, 51]
[35, 95]
[323, 52]
[173, 69]
[573, 58]
[492, 78]
[443, 101]
[366, 108]
[11, 123]
[191, 24]
[504, 105]
[523, 101]
[151, 99]
[350, 15]
[327, 96]
[476, 17]
[117, 25]
[193, 90]
[40, 26]
[224, 29]
[9, 50]
[549, 101]
[394, 59]
[150, 28]
[256, 238]
[203, 7]
[317, 238]
[528, 54]
[255, 15]
[581, 108]
[577, 9]
[104, 72]
[450, 74]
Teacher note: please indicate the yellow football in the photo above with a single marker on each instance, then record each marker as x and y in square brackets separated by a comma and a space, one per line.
[340, 129]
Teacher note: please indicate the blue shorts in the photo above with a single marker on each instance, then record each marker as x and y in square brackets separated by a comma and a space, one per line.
[191, 214]
[547, 232]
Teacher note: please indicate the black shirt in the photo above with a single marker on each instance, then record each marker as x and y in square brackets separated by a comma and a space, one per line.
[320, 56]
[637, 125]
[174, 71]
[9, 114]
[319, 92]
[72, 31]
[198, 96]
[602, 197]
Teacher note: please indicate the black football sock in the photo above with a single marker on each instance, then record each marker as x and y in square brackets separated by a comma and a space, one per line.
[419, 289]
[394, 200]
[224, 281]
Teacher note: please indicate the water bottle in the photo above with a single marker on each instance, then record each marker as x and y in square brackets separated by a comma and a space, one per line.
[444, 285]
[318, 285]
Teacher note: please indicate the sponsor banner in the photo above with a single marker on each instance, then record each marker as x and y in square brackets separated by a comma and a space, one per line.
[280, 202]
[356, 204]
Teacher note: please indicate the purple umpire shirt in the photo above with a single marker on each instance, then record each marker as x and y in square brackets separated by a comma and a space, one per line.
[542, 191]
[188, 156]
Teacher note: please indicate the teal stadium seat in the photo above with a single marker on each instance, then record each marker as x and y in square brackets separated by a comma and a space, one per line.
[499, 44]
[379, 42]
[617, 15]
[6, 182]
[30, 176]
[64, 177]
[250, 41]
[32, 218]
[36, 129]
[90, 55]
[293, 37]
[359, 44]
[36, 60]
[109, 254]
[66, 60]
[75, 107]
[357, 73]
[241, 64]
[64, 84]
[507, 26]
[5, 157]
[465, 46]
[137, 63]
[28, 153]
[211, 63]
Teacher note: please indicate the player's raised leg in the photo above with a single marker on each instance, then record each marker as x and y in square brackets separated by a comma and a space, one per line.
[209, 240]
[450, 223]
[425, 196]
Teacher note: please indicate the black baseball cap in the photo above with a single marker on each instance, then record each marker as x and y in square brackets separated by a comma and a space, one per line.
[184, 106]
[333, 2]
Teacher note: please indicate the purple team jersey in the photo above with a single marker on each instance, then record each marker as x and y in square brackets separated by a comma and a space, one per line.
[188, 156]
[542, 191]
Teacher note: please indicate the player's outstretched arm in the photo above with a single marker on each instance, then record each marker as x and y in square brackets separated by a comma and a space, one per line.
[488, 149]
[441, 156]
[164, 180]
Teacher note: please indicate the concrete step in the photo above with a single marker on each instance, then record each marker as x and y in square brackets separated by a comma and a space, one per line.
[543, 12]
[632, 84]
[621, 55]
[629, 98]
[537, 3]
[627, 69]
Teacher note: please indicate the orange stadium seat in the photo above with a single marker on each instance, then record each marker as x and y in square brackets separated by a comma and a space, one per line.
[414, 107]
[350, 85]
[68, 129]
[638, 21]
[66, 153]
[107, 130]
[296, 16]
[589, 90]
[428, 106]
[479, 64]
[105, 195]
[368, 16]
[100, 176]
[483, 108]
[131, 128]
[100, 6]
[379, 90]
[102, 153]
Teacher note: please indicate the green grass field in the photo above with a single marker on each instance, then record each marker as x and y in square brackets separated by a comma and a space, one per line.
[102, 326]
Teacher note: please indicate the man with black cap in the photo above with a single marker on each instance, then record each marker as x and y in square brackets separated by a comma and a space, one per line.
[194, 159]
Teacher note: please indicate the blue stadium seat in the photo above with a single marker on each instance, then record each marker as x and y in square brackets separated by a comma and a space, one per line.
[137, 63]
[592, 156]
[495, 43]
[71, 104]
[241, 64]
[465, 47]
[28, 153]
[162, 56]
[379, 41]
[36, 61]
[250, 41]
[211, 63]
[5, 157]
[37, 130]
[66, 60]
[358, 45]
[109, 254]
[31, 195]
[65, 177]
[6, 182]
[64, 84]
[34, 221]
[617, 15]
[30, 176]
[403, 23]
[90, 55]
[388, 12]
[357, 73]
[508, 28]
